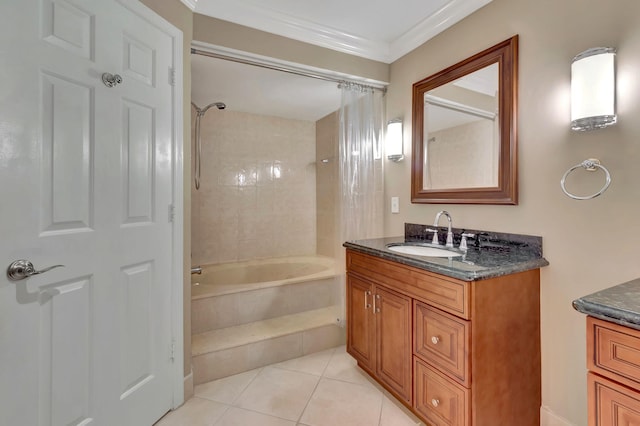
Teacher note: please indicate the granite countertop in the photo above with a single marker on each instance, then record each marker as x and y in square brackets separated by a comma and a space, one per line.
[487, 261]
[619, 304]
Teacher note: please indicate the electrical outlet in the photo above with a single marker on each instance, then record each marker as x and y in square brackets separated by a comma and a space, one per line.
[395, 205]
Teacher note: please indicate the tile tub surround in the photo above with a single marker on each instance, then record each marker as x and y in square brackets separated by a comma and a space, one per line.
[257, 197]
[619, 304]
[501, 254]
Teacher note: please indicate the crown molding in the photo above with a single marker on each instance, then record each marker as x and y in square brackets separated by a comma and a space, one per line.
[191, 4]
[285, 25]
[448, 15]
[282, 24]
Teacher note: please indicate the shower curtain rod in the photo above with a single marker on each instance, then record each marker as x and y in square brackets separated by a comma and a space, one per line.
[284, 69]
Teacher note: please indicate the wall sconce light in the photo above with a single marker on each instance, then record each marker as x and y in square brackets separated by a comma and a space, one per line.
[593, 89]
[394, 145]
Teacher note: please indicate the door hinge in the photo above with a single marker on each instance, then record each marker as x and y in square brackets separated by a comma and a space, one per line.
[172, 212]
[172, 352]
[172, 76]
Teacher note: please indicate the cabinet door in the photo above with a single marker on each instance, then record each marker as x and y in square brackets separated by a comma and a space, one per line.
[393, 338]
[611, 404]
[360, 325]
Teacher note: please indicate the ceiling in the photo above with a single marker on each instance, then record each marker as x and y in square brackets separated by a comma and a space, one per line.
[375, 29]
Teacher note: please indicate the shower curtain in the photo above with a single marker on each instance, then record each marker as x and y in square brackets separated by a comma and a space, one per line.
[360, 140]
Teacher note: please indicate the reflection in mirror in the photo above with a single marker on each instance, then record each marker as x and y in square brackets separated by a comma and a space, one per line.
[461, 137]
[464, 139]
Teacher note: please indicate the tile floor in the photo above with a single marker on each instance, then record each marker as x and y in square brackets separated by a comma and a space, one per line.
[321, 389]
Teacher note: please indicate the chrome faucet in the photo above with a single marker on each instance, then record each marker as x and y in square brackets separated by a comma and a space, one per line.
[449, 233]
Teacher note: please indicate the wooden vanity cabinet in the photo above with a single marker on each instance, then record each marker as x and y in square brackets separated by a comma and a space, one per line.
[457, 353]
[613, 358]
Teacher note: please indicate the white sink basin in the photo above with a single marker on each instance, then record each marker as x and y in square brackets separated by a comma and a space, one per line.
[423, 251]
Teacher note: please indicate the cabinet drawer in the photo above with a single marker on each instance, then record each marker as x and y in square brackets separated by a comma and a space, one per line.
[438, 399]
[443, 341]
[447, 294]
[611, 404]
[613, 351]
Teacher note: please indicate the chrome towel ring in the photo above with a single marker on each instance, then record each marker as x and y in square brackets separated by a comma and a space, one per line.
[590, 165]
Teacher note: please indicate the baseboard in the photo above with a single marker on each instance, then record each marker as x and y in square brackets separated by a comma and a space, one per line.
[549, 418]
[188, 386]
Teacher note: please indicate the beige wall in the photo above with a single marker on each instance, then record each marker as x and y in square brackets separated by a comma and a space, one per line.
[257, 196]
[234, 36]
[590, 244]
[182, 18]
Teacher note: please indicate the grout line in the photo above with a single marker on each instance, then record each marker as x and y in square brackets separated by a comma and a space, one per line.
[381, 408]
[329, 362]
[279, 367]
[260, 412]
[223, 414]
[245, 388]
[309, 400]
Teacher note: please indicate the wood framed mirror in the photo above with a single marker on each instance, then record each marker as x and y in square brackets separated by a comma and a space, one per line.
[465, 133]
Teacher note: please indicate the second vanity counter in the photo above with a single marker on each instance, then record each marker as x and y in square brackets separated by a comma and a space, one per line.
[613, 354]
[488, 261]
[619, 304]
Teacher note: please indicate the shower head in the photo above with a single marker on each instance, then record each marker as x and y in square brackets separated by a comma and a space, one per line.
[201, 111]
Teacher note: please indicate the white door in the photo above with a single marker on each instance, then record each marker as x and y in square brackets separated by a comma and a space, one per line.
[85, 181]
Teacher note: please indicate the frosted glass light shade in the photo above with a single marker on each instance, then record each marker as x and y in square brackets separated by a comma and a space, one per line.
[394, 144]
[593, 89]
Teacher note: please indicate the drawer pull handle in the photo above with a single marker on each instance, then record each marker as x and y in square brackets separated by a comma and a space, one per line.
[366, 294]
[435, 402]
[435, 340]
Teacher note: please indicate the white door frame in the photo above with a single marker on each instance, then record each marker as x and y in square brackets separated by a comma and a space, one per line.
[177, 278]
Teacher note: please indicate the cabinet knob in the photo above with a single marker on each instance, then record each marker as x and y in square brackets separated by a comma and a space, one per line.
[435, 340]
[435, 402]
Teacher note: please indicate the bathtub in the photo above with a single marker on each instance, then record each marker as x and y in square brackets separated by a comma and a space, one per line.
[228, 278]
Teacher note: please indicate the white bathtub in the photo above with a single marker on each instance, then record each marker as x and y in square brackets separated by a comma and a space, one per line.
[227, 278]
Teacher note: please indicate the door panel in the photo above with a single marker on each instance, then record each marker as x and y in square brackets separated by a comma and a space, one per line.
[136, 352]
[68, 27]
[138, 60]
[66, 354]
[67, 154]
[137, 162]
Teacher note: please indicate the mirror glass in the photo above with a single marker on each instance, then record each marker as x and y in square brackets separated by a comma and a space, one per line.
[464, 131]
[462, 139]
